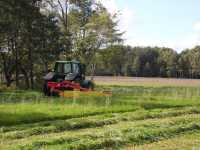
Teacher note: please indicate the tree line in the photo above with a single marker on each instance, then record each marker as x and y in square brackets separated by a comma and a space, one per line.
[148, 62]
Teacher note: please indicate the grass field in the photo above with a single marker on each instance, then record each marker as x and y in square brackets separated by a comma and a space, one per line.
[141, 117]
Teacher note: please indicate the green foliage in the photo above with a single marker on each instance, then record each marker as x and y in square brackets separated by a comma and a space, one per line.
[30, 39]
[34, 36]
[138, 61]
[148, 62]
[188, 62]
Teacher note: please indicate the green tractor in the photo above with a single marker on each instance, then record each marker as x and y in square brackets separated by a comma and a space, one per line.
[67, 75]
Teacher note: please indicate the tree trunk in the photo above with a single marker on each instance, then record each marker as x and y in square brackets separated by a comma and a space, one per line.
[16, 64]
[6, 72]
[30, 55]
[46, 67]
[26, 77]
[66, 15]
[31, 69]
[8, 76]
[16, 48]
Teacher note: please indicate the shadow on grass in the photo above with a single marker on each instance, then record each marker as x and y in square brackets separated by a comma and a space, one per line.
[8, 119]
[153, 105]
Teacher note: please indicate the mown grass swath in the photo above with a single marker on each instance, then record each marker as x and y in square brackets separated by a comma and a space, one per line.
[133, 116]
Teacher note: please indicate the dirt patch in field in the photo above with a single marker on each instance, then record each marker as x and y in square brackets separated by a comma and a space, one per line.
[139, 81]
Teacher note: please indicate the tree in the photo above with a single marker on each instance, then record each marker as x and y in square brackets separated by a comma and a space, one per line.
[30, 38]
[139, 61]
[189, 62]
[168, 61]
[114, 59]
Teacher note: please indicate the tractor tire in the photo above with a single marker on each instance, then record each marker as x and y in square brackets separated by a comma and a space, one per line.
[46, 90]
[87, 84]
[90, 85]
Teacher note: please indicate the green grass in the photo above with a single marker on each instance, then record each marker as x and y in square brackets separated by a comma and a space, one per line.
[136, 116]
[189, 141]
[31, 113]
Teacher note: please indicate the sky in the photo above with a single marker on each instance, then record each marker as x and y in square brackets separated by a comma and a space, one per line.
[165, 23]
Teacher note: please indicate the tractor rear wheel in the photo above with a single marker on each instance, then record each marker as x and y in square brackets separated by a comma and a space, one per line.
[46, 90]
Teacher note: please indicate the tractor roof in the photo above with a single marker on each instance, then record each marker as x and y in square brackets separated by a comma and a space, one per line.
[73, 61]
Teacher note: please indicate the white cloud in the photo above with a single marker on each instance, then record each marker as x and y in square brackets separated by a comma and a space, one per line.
[111, 5]
[126, 16]
[128, 19]
[190, 40]
[179, 45]
[197, 26]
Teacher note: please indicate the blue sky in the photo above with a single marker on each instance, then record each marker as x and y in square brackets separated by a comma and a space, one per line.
[170, 23]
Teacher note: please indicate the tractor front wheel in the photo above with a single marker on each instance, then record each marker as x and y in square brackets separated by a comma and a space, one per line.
[89, 85]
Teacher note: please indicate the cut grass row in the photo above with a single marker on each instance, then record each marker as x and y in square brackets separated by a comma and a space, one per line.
[25, 131]
[190, 141]
[116, 136]
[32, 113]
[28, 113]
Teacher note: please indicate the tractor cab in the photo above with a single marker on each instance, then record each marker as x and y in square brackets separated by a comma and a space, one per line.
[66, 67]
[66, 70]
[70, 70]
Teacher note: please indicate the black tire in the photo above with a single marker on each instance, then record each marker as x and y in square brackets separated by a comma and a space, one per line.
[87, 84]
[90, 85]
[46, 90]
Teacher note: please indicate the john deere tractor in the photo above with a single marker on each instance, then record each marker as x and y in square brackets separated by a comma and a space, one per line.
[67, 75]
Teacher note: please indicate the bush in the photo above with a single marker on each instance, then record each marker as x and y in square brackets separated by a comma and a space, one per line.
[4, 88]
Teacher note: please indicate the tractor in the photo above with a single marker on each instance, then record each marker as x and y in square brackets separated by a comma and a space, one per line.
[66, 76]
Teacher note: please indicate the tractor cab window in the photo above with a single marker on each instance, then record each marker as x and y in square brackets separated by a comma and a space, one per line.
[76, 68]
[59, 68]
[67, 68]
